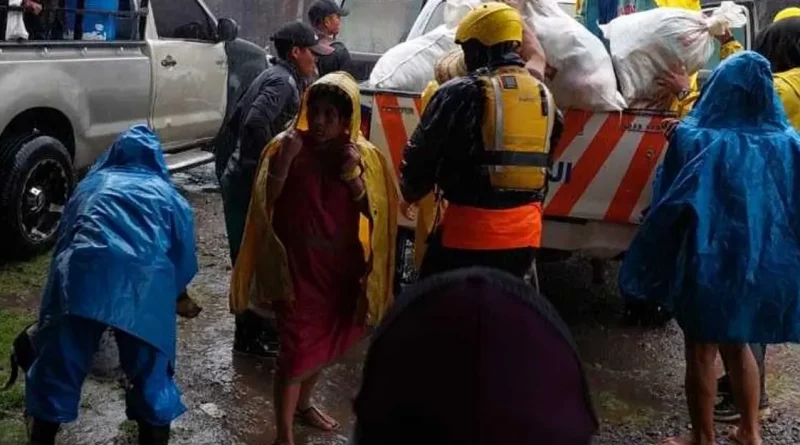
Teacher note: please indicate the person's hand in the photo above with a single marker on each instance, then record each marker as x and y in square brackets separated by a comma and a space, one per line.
[676, 80]
[291, 143]
[668, 126]
[32, 7]
[408, 210]
[351, 163]
[725, 37]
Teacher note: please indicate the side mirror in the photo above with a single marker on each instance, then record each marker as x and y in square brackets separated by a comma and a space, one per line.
[227, 30]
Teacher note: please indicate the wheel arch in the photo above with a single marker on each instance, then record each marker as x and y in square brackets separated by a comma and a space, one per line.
[48, 121]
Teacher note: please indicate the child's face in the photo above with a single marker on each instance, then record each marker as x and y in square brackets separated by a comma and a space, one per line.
[324, 121]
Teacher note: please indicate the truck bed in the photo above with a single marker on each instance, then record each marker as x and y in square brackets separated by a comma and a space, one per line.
[602, 167]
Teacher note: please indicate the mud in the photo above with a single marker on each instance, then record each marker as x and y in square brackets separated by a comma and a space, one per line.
[636, 375]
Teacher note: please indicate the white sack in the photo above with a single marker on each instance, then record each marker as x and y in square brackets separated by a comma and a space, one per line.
[408, 66]
[645, 44]
[584, 75]
[456, 10]
[15, 26]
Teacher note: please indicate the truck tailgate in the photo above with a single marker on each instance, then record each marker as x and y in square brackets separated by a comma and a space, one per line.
[602, 170]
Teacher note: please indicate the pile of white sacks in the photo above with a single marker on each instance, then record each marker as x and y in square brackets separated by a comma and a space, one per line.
[585, 73]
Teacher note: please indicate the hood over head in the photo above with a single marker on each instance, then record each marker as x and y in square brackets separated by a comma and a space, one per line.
[473, 357]
[348, 85]
[138, 148]
[780, 44]
[739, 94]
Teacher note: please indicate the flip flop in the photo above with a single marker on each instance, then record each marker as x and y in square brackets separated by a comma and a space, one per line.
[311, 416]
[676, 441]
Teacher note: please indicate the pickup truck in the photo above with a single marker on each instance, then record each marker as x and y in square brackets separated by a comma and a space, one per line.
[167, 63]
[603, 167]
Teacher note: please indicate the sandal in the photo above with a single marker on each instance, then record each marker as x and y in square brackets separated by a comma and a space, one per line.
[316, 418]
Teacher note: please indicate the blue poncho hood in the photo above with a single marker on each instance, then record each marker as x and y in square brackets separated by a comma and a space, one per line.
[126, 247]
[720, 245]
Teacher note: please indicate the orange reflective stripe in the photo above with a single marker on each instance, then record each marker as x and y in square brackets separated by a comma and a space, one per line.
[472, 228]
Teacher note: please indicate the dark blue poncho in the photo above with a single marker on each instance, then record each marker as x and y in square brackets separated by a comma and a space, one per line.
[721, 244]
[126, 245]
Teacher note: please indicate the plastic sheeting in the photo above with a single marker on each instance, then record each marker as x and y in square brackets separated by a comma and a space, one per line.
[126, 245]
[720, 246]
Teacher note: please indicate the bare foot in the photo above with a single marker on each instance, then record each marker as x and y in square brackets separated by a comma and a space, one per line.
[187, 308]
[316, 418]
[739, 438]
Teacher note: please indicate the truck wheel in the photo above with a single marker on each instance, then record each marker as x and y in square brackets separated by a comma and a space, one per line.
[37, 178]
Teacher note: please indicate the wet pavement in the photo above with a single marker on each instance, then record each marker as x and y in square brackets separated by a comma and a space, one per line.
[636, 375]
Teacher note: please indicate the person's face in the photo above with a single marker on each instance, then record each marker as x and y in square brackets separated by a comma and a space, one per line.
[333, 24]
[324, 121]
[305, 61]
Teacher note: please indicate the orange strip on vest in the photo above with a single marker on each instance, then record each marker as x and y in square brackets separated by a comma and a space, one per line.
[471, 228]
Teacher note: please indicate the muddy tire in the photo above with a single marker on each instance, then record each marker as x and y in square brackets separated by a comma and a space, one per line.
[36, 179]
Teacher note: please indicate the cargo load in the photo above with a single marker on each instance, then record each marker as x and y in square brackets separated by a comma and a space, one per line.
[581, 72]
[646, 44]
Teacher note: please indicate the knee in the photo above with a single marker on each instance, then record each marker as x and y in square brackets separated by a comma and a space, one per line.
[702, 354]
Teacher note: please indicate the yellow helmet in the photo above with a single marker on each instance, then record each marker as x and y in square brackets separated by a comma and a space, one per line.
[787, 13]
[490, 24]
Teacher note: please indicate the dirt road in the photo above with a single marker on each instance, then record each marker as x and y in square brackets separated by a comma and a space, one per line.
[636, 375]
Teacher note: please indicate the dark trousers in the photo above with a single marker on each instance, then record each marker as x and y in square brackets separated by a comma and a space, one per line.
[760, 352]
[440, 259]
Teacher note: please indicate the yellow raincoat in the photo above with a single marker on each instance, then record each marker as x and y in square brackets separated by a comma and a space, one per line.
[787, 85]
[261, 275]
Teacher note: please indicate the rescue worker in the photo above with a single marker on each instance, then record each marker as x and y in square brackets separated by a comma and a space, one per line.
[484, 140]
[780, 44]
[125, 250]
[326, 18]
[269, 104]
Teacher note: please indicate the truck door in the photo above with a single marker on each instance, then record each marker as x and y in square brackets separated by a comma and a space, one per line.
[190, 73]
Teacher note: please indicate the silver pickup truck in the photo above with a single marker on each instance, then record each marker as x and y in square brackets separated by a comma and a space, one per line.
[67, 93]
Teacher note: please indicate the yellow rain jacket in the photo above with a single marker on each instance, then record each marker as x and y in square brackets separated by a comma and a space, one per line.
[787, 85]
[261, 275]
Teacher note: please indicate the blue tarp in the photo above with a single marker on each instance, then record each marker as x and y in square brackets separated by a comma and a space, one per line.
[721, 243]
[126, 247]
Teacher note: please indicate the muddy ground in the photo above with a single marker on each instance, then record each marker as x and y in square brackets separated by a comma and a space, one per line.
[635, 374]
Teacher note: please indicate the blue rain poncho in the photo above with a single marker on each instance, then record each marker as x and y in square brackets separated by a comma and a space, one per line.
[720, 246]
[125, 247]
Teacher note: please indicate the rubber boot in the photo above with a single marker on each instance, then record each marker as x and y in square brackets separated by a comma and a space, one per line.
[42, 432]
[153, 435]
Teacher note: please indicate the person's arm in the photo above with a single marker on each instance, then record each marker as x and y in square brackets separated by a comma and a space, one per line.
[281, 162]
[728, 45]
[533, 54]
[443, 118]
[267, 106]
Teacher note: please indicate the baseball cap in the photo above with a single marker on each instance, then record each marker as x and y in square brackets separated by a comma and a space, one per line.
[302, 35]
[323, 8]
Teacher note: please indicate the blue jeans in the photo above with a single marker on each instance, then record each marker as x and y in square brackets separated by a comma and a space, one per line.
[65, 349]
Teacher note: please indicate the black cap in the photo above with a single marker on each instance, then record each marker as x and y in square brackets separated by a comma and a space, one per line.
[302, 35]
[323, 8]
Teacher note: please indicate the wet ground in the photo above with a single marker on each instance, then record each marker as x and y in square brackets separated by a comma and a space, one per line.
[636, 375]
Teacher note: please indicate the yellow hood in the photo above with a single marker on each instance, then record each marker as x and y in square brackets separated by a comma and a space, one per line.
[261, 275]
[789, 12]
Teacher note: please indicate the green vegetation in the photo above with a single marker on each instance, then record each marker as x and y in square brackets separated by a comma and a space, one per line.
[12, 429]
[20, 278]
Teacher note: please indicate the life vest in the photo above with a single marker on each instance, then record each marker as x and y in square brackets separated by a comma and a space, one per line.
[519, 116]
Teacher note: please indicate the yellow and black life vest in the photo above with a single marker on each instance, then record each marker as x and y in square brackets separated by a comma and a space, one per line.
[519, 115]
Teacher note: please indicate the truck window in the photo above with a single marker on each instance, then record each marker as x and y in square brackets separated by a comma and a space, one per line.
[182, 19]
[108, 20]
[437, 18]
[359, 32]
